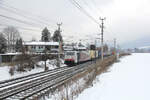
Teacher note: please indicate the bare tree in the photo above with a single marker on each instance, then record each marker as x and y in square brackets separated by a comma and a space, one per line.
[11, 34]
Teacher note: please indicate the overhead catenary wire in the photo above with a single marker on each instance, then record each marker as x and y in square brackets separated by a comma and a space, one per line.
[38, 22]
[23, 28]
[112, 34]
[92, 8]
[30, 15]
[27, 13]
[40, 18]
[95, 5]
[77, 5]
[20, 21]
[24, 16]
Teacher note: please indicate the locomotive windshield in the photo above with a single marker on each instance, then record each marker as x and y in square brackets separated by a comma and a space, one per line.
[70, 53]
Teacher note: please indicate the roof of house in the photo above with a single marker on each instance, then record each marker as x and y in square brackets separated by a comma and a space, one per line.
[16, 53]
[41, 43]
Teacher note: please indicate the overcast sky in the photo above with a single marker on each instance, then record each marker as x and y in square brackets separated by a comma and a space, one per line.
[126, 20]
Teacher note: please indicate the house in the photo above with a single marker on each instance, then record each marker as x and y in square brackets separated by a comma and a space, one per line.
[39, 47]
[32, 47]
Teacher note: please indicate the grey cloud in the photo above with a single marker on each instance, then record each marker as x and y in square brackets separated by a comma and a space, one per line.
[123, 26]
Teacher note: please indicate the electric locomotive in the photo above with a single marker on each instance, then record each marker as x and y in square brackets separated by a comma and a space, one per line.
[79, 54]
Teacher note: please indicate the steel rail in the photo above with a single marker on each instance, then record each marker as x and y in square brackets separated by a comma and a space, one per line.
[21, 79]
[59, 82]
[34, 80]
[27, 86]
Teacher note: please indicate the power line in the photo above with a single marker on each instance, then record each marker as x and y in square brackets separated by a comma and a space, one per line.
[23, 28]
[92, 7]
[27, 17]
[25, 12]
[17, 20]
[77, 5]
[30, 15]
[86, 4]
[95, 5]
[84, 11]
[43, 19]
[98, 9]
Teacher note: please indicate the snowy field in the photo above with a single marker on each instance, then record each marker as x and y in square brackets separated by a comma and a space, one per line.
[127, 80]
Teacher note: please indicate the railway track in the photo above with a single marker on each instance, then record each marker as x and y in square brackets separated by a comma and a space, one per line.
[25, 87]
[10, 82]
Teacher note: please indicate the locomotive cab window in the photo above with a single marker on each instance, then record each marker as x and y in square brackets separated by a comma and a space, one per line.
[70, 53]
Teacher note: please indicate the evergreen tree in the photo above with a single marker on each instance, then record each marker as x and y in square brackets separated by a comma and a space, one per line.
[16, 46]
[45, 35]
[57, 36]
[19, 45]
[3, 44]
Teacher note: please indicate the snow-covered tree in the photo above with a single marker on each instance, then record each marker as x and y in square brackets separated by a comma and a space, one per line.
[57, 36]
[45, 35]
[11, 34]
[3, 43]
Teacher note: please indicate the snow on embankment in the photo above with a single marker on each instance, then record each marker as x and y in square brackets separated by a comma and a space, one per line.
[127, 80]
[51, 64]
[81, 81]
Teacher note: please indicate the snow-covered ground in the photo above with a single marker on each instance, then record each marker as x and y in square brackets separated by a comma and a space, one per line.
[4, 73]
[127, 80]
[4, 70]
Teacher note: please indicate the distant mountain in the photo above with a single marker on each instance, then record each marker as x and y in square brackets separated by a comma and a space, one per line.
[142, 42]
[145, 47]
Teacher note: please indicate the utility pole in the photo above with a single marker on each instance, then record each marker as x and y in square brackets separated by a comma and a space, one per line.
[45, 58]
[95, 50]
[59, 24]
[58, 58]
[102, 37]
[115, 46]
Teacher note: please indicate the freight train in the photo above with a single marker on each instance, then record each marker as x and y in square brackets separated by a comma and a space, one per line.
[81, 55]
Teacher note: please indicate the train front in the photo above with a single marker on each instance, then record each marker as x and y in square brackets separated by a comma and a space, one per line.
[70, 58]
